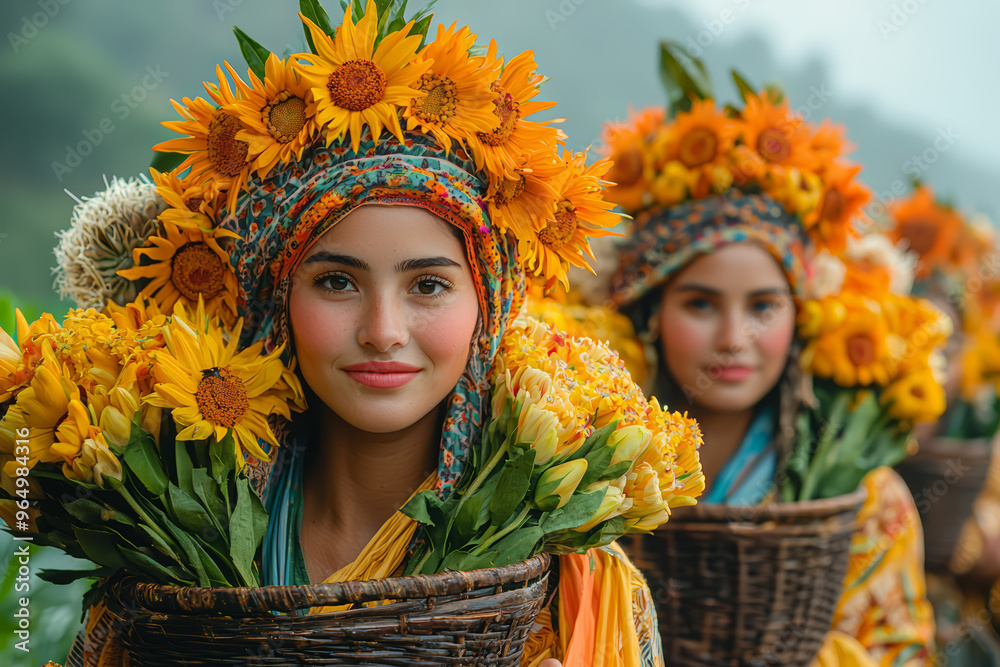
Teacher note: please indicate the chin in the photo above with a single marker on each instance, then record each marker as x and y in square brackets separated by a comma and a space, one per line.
[735, 398]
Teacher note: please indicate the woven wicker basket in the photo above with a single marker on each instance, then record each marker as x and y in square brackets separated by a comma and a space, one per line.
[748, 585]
[945, 476]
[455, 618]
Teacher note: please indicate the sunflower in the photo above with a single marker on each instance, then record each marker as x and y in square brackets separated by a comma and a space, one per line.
[580, 212]
[915, 397]
[353, 82]
[499, 150]
[857, 351]
[525, 203]
[51, 410]
[187, 264]
[930, 228]
[459, 100]
[213, 390]
[829, 223]
[274, 113]
[774, 139]
[828, 144]
[625, 144]
[701, 139]
[214, 152]
[185, 194]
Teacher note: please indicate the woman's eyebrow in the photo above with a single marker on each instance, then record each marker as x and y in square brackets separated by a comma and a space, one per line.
[425, 263]
[766, 291]
[331, 258]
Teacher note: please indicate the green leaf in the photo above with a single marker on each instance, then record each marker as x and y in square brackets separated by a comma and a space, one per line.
[515, 479]
[187, 511]
[684, 78]
[159, 544]
[143, 461]
[255, 54]
[598, 438]
[156, 572]
[194, 557]
[598, 462]
[207, 490]
[99, 545]
[164, 161]
[518, 546]
[467, 519]
[580, 508]
[222, 455]
[63, 577]
[242, 547]
[314, 11]
[184, 467]
[424, 507]
[746, 90]
[88, 511]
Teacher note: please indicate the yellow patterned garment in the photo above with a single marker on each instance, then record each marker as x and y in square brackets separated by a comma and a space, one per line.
[884, 606]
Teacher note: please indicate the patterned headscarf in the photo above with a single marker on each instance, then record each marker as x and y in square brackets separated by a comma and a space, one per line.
[665, 239]
[281, 217]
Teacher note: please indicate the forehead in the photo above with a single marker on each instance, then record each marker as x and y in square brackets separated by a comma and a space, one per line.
[392, 231]
[734, 268]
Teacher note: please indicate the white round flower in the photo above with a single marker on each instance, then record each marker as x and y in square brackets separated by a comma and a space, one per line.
[103, 232]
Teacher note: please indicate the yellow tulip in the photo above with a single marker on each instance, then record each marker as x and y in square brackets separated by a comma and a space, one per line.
[557, 484]
[648, 505]
[614, 503]
[629, 442]
[95, 464]
[538, 427]
[115, 426]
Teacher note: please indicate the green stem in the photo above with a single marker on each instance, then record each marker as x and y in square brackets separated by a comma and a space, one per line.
[826, 442]
[513, 525]
[477, 482]
[145, 517]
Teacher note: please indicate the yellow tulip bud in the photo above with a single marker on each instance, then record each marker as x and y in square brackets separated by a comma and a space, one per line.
[95, 463]
[115, 426]
[643, 487]
[557, 484]
[629, 442]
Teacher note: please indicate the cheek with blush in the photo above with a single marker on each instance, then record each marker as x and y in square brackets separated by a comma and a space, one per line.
[775, 342]
[446, 338]
[686, 344]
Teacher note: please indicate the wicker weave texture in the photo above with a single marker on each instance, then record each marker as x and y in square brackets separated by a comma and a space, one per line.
[454, 618]
[747, 586]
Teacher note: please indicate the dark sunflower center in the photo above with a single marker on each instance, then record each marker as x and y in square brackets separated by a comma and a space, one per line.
[510, 189]
[921, 234]
[357, 85]
[698, 147]
[558, 232]
[441, 102]
[773, 145]
[627, 169]
[227, 154]
[286, 115]
[860, 350]
[507, 111]
[197, 269]
[222, 397]
[833, 205]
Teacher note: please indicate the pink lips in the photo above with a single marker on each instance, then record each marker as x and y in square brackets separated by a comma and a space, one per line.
[382, 374]
[731, 373]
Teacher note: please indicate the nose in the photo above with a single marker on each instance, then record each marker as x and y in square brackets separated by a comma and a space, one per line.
[384, 324]
[733, 335]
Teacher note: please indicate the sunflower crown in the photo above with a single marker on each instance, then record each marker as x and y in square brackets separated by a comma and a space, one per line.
[378, 74]
[702, 150]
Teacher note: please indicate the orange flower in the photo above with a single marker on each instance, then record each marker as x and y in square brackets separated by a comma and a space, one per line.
[580, 212]
[500, 150]
[355, 83]
[459, 100]
[277, 123]
[701, 140]
[185, 194]
[626, 146]
[214, 152]
[843, 196]
[930, 228]
[187, 264]
[525, 203]
[774, 140]
[828, 143]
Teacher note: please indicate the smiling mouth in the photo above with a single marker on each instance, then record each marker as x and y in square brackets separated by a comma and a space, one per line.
[378, 380]
[730, 373]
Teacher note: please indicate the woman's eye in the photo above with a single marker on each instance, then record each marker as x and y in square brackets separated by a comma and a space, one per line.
[699, 304]
[764, 306]
[333, 282]
[430, 287]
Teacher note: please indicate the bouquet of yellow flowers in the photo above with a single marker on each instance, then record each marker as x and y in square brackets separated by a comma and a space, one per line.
[872, 351]
[573, 458]
[124, 436]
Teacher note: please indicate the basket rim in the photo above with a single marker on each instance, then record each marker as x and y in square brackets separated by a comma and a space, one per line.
[801, 509]
[941, 447]
[193, 599]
